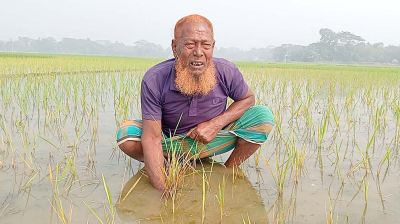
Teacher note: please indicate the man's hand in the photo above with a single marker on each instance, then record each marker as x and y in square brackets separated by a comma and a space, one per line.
[205, 132]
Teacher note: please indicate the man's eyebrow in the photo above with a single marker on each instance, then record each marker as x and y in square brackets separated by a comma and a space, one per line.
[197, 40]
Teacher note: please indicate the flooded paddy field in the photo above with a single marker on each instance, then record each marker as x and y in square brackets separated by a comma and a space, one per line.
[333, 156]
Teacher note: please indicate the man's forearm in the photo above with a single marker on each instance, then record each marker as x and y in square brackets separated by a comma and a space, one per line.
[154, 162]
[234, 111]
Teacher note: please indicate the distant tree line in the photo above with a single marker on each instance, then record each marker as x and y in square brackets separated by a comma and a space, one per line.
[140, 48]
[333, 47]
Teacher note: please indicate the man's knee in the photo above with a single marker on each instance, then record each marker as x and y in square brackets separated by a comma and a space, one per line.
[263, 112]
[131, 148]
[242, 142]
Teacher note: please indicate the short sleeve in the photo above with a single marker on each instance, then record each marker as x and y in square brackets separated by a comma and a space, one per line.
[236, 85]
[150, 102]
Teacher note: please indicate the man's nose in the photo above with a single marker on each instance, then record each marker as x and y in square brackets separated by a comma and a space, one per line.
[198, 51]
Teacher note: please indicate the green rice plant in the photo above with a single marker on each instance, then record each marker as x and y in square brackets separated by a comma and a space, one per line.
[309, 123]
[221, 196]
[335, 116]
[257, 157]
[295, 107]
[28, 184]
[203, 201]
[69, 173]
[233, 174]
[330, 213]
[384, 160]
[338, 162]
[50, 143]
[322, 129]
[28, 162]
[365, 186]
[246, 220]
[109, 208]
[110, 216]
[297, 158]
[56, 202]
[280, 173]
[133, 187]
[94, 213]
[177, 166]
[321, 133]
[396, 112]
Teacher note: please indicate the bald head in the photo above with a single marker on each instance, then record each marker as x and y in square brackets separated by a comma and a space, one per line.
[191, 19]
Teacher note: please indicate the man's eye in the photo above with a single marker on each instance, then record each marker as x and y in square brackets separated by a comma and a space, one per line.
[206, 45]
[189, 45]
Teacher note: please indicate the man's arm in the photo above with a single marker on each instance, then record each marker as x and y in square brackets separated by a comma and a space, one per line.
[153, 154]
[206, 131]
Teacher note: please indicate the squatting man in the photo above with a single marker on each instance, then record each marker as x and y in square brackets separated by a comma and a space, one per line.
[187, 96]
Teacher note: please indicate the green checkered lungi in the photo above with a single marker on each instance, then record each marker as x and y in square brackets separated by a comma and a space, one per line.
[253, 126]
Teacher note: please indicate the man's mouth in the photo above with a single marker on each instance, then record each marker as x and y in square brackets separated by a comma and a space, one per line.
[196, 64]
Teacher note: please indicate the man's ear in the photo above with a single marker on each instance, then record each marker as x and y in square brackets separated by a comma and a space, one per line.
[173, 47]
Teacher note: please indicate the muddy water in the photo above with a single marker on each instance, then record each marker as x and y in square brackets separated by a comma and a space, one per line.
[241, 199]
[333, 183]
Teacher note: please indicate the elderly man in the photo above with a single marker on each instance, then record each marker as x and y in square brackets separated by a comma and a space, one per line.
[184, 106]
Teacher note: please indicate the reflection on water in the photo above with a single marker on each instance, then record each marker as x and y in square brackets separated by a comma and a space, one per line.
[241, 202]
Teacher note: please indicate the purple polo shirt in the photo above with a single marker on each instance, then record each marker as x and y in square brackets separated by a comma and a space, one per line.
[161, 100]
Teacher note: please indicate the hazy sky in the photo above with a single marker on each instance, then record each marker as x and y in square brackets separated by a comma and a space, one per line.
[243, 24]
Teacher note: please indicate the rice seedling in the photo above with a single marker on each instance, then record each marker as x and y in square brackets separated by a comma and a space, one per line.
[178, 165]
[246, 220]
[56, 203]
[131, 189]
[330, 214]
[221, 197]
[111, 215]
[203, 201]
[384, 160]
[109, 209]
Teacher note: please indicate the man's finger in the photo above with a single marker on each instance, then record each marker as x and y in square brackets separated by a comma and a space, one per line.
[203, 140]
[192, 133]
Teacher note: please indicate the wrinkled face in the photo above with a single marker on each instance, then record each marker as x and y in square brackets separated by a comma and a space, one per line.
[193, 47]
